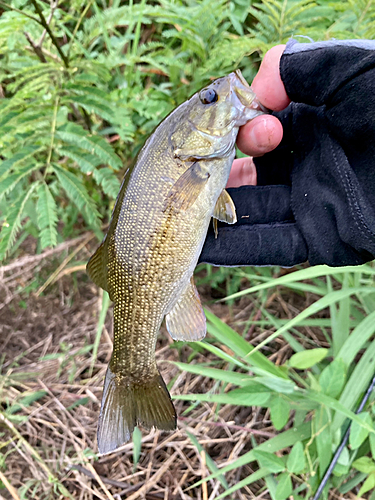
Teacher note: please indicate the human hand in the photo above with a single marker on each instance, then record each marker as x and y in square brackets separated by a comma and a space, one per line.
[313, 196]
[264, 133]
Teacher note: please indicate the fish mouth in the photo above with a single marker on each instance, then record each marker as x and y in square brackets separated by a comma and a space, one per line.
[245, 99]
[241, 78]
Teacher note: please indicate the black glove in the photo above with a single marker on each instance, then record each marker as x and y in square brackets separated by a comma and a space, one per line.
[315, 198]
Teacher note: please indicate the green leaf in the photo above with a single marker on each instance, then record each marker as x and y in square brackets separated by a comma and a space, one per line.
[47, 216]
[108, 180]
[306, 359]
[222, 355]
[357, 433]
[27, 400]
[332, 378]
[281, 441]
[76, 135]
[304, 274]
[364, 464]
[238, 345]
[12, 222]
[137, 446]
[279, 409]
[10, 181]
[94, 106]
[358, 382]
[359, 336]
[270, 461]
[23, 154]
[368, 485]
[241, 379]
[333, 404]
[85, 161]
[252, 478]
[284, 488]
[344, 458]
[296, 461]
[372, 445]
[277, 384]
[78, 402]
[77, 192]
[323, 438]
[327, 300]
[244, 397]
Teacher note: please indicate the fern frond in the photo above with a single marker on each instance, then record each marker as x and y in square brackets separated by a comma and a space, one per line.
[93, 106]
[77, 192]
[85, 161]
[18, 158]
[95, 92]
[13, 219]
[76, 135]
[107, 179]
[47, 216]
[10, 182]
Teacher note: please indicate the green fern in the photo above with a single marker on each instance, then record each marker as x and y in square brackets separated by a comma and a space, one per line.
[13, 219]
[76, 135]
[75, 113]
[76, 191]
[47, 216]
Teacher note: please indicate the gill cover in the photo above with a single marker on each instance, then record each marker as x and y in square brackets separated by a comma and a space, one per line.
[213, 117]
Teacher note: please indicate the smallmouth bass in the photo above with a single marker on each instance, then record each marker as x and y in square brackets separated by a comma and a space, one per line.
[147, 258]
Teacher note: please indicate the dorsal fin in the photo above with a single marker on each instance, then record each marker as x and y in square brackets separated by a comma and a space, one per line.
[96, 268]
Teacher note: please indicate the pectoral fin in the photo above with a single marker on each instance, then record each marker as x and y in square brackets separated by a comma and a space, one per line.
[186, 321]
[224, 210]
[187, 188]
[96, 268]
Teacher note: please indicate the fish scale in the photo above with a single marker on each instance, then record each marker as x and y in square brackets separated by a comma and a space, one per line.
[147, 258]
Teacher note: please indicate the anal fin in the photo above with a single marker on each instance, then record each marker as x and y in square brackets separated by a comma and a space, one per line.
[186, 321]
[96, 268]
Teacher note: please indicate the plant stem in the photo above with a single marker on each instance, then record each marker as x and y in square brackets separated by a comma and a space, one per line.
[52, 134]
[54, 4]
[44, 23]
[84, 12]
[38, 51]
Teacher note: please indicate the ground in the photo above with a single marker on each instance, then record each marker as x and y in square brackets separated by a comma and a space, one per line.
[51, 390]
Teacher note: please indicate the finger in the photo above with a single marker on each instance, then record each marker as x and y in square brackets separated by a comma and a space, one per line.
[267, 84]
[243, 173]
[259, 136]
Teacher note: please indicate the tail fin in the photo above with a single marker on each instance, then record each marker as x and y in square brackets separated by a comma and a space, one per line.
[125, 405]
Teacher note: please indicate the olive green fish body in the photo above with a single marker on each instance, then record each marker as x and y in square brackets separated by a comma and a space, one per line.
[156, 234]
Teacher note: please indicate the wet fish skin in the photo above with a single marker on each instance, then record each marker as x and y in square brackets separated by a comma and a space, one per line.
[147, 258]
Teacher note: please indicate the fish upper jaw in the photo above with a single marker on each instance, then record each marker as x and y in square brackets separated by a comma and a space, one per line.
[244, 99]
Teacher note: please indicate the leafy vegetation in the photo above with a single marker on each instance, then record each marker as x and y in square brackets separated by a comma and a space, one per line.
[314, 393]
[82, 86]
[79, 98]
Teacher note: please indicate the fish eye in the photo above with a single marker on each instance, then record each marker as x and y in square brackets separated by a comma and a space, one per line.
[208, 96]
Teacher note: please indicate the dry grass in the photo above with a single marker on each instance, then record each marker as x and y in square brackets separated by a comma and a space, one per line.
[43, 345]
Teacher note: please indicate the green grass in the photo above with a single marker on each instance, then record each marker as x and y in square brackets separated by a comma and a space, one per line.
[317, 389]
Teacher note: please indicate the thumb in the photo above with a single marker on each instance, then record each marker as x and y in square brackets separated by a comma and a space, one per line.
[267, 84]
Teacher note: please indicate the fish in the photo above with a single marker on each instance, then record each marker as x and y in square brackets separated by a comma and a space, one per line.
[148, 255]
